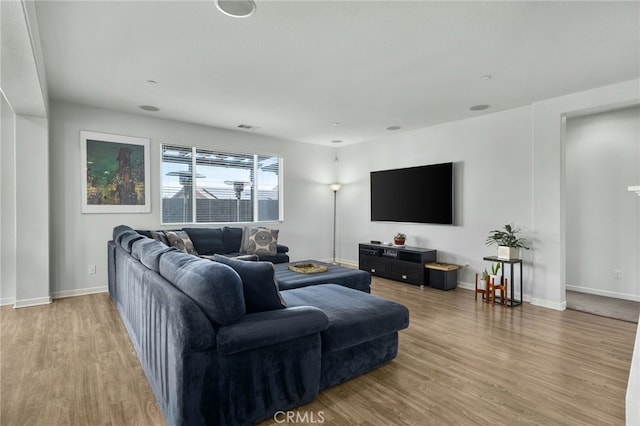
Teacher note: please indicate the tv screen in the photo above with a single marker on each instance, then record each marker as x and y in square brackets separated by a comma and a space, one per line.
[422, 194]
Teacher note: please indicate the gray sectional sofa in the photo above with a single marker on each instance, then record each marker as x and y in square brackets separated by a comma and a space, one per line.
[221, 345]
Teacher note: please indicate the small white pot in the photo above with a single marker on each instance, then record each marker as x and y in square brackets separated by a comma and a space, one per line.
[508, 252]
[495, 279]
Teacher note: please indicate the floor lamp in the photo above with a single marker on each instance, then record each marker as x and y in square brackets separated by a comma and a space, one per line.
[335, 187]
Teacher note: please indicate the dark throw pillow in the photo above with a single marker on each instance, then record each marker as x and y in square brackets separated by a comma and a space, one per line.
[261, 292]
[232, 238]
[181, 241]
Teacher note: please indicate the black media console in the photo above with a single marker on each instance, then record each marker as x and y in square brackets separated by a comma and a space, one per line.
[397, 263]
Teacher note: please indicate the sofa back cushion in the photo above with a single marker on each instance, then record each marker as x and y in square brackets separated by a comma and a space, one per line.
[117, 232]
[127, 238]
[232, 237]
[207, 241]
[260, 288]
[138, 246]
[150, 253]
[216, 288]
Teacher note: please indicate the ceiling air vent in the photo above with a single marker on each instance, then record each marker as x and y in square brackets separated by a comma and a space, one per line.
[247, 127]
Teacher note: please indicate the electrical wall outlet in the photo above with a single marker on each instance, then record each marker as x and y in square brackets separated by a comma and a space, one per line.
[92, 269]
[617, 273]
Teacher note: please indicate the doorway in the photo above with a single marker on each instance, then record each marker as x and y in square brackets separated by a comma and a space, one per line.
[602, 158]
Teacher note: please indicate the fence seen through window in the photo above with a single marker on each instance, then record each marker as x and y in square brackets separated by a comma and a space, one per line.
[209, 186]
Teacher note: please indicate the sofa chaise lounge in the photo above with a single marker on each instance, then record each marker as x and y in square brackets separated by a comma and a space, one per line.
[212, 358]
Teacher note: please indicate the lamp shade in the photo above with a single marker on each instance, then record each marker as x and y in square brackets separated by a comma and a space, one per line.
[335, 187]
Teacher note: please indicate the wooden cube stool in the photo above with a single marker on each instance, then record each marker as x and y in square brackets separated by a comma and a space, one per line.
[482, 291]
[491, 291]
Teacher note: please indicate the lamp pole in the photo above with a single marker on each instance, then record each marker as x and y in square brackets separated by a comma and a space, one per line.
[335, 187]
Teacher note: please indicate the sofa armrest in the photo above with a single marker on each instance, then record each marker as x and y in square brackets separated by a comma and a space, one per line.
[270, 327]
[281, 248]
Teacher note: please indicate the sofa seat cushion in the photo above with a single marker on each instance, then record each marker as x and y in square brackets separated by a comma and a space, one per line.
[207, 241]
[216, 288]
[354, 317]
[270, 328]
[261, 292]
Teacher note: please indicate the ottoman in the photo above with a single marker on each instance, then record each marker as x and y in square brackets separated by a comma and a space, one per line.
[352, 278]
[362, 333]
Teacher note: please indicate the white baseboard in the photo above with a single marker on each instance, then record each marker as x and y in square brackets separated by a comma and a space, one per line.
[605, 293]
[548, 304]
[347, 263]
[7, 301]
[79, 292]
[25, 303]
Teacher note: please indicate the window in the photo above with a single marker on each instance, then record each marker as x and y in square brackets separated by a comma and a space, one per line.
[208, 186]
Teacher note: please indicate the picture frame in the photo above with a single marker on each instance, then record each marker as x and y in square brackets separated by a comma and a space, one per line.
[115, 173]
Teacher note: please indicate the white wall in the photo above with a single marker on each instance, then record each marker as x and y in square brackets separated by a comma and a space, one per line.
[32, 208]
[549, 213]
[79, 240]
[603, 218]
[25, 181]
[7, 205]
[512, 170]
[492, 174]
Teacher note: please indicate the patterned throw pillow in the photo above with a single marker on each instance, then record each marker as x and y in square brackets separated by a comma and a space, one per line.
[263, 242]
[160, 236]
[181, 241]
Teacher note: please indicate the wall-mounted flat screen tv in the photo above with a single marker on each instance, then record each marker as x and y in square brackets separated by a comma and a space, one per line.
[422, 194]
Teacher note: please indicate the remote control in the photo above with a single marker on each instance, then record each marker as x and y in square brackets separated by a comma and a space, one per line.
[375, 242]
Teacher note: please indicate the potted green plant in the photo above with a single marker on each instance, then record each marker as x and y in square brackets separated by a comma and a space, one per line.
[509, 244]
[399, 239]
[487, 277]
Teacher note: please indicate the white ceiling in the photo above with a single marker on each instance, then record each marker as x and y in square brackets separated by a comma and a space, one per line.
[296, 67]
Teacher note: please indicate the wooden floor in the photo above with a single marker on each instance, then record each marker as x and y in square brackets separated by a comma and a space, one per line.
[460, 363]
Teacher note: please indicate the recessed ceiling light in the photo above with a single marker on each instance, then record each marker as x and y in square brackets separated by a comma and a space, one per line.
[149, 108]
[336, 141]
[479, 107]
[236, 8]
[394, 128]
[486, 77]
[152, 82]
[335, 123]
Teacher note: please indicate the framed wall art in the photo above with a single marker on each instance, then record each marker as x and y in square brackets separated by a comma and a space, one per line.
[115, 173]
